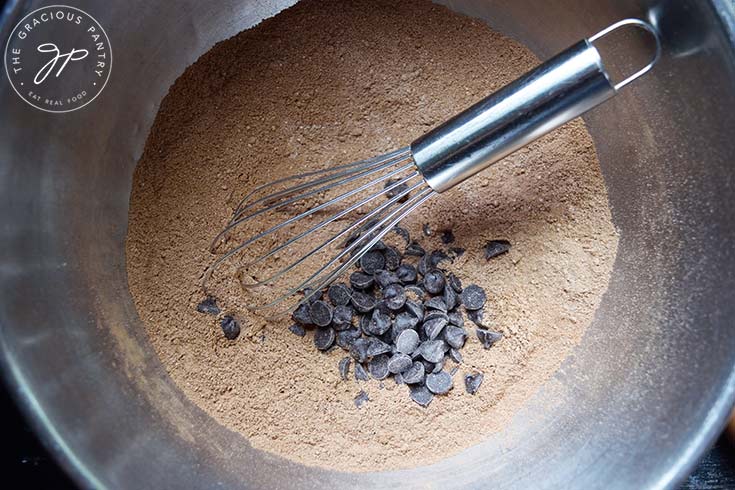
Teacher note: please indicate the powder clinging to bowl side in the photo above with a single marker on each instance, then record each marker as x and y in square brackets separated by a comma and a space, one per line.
[332, 82]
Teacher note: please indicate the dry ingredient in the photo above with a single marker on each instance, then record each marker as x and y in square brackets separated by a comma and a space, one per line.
[329, 82]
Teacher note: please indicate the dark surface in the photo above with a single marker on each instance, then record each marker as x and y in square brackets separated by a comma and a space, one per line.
[25, 460]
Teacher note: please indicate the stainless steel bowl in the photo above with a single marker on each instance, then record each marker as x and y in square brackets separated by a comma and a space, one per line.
[638, 402]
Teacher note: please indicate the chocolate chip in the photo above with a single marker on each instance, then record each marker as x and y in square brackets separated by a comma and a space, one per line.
[433, 327]
[360, 280]
[344, 367]
[450, 297]
[361, 399]
[310, 295]
[359, 350]
[415, 250]
[455, 336]
[439, 383]
[372, 262]
[297, 329]
[456, 251]
[456, 356]
[473, 297]
[434, 281]
[415, 374]
[383, 308]
[346, 338]
[378, 366]
[398, 378]
[386, 278]
[432, 350]
[476, 316]
[423, 266]
[342, 317]
[455, 318]
[399, 363]
[363, 302]
[379, 323]
[339, 294]
[403, 233]
[421, 395]
[407, 341]
[406, 273]
[230, 327]
[403, 321]
[394, 296]
[493, 248]
[398, 190]
[447, 237]
[360, 373]
[302, 315]
[472, 382]
[454, 282]
[436, 257]
[392, 258]
[377, 347]
[488, 337]
[416, 309]
[324, 338]
[208, 306]
[436, 303]
[321, 313]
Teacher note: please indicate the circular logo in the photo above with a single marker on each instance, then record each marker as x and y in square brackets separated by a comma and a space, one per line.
[58, 58]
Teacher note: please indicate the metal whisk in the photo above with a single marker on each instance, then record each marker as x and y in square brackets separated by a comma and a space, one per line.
[298, 234]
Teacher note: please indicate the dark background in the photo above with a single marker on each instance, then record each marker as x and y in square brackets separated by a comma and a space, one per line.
[25, 461]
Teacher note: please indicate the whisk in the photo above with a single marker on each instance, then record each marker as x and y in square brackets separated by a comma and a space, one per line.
[294, 236]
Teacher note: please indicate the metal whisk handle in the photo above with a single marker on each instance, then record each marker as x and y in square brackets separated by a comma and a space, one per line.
[559, 90]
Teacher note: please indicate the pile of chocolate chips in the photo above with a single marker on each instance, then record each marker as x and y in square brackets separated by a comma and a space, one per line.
[401, 315]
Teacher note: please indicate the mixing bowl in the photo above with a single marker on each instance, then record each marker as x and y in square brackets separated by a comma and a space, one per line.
[635, 405]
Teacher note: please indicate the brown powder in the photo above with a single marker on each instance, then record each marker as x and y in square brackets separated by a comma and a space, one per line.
[334, 81]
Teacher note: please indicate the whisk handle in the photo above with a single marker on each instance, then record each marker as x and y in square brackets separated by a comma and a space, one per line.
[559, 90]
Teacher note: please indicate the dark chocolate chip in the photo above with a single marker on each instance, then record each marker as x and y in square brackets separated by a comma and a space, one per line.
[436, 257]
[436, 303]
[310, 295]
[456, 356]
[472, 382]
[434, 326]
[361, 399]
[360, 280]
[407, 341]
[415, 250]
[432, 350]
[450, 297]
[495, 248]
[392, 258]
[372, 262]
[345, 338]
[363, 302]
[383, 308]
[403, 321]
[399, 363]
[379, 323]
[230, 327]
[360, 373]
[416, 309]
[454, 281]
[208, 306]
[456, 251]
[344, 367]
[386, 278]
[423, 266]
[378, 366]
[394, 296]
[447, 237]
[415, 374]
[406, 273]
[473, 297]
[339, 294]
[359, 349]
[403, 233]
[488, 337]
[321, 313]
[377, 347]
[342, 317]
[455, 318]
[439, 383]
[421, 395]
[434, 281]
[297, 329]
[455, 336]
[324, 338]
[476, 317]
[398, 190]
[302, 315]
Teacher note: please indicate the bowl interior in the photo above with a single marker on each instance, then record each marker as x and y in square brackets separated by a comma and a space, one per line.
[642, 396]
